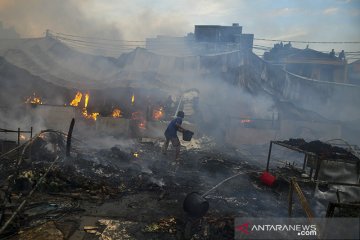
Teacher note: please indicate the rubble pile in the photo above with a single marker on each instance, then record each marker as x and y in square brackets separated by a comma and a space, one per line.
[137, 190]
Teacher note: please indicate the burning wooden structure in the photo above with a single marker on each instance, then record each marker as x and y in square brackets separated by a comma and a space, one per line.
[129, 117]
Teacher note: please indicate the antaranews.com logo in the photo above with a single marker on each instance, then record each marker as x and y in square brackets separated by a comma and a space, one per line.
[297, 228]
[301, 230]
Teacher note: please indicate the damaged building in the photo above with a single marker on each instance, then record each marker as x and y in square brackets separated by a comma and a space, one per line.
[82, 136]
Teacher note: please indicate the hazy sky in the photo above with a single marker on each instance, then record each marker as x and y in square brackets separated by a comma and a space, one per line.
[309, 20]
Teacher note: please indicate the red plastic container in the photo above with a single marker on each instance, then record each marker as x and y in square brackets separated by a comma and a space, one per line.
[267, 178]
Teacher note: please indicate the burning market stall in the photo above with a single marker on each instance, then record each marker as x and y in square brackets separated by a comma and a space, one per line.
[119, 112]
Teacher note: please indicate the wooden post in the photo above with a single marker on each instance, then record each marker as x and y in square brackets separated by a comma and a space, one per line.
[31, 141]
[304, 165]
[18, 136]
[68, 140]
[317, 169]
[269, 154]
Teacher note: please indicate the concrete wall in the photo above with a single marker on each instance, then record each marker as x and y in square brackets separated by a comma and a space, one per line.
[155, 129]
[113, 126]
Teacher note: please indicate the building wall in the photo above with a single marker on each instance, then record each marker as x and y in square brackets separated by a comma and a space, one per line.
[206, 39]
[112, 126]
[216, 33]
[246, 41]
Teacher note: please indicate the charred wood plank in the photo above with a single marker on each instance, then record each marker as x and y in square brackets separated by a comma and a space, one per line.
[68, 140]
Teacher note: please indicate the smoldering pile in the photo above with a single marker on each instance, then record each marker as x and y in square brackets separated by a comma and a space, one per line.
[123, 173]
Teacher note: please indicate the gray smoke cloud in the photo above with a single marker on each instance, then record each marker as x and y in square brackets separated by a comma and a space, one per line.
[8, 32]
[32, 18]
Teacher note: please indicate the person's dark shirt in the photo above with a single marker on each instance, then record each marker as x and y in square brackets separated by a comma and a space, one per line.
[171, 130]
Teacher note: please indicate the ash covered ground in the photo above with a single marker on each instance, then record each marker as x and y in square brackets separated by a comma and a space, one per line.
[132, 191]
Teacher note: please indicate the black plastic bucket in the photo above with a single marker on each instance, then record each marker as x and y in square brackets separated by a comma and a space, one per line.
[187, 135]
[195, 205]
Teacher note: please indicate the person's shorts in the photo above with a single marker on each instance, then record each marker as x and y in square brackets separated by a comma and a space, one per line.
[174, 141]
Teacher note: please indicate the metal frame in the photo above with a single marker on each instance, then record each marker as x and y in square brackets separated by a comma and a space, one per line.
[18, 131]
[331, 207]
[318, 158]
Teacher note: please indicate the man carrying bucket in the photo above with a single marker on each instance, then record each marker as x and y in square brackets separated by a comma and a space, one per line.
[171, 134]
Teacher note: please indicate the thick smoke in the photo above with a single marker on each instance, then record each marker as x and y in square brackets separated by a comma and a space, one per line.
[137, 20]
[8, 32]
[89, 19]
[32, 18]
[221, 104]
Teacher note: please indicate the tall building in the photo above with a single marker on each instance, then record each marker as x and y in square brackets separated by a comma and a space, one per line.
[206, 39]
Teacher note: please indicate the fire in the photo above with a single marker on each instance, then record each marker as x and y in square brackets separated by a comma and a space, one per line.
[116, 113]
[34, 99]
[75, 103]
[86, 99]
[133, 99]
[140, 119]
[76, 100]
[158, 113]
[85, 112]
[90, 115]
[142, 125]
[136, 154]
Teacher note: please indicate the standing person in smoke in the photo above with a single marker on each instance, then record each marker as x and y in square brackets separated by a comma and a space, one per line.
[171, 134]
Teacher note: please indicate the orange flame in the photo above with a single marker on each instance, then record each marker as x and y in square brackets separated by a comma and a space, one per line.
[142, 125]
[76, 100]
[158, 113]
[116, 113]
[34, 99]
[85, 113]
[133, 99]
[90, 115]
[86, 99]
[140, 119]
